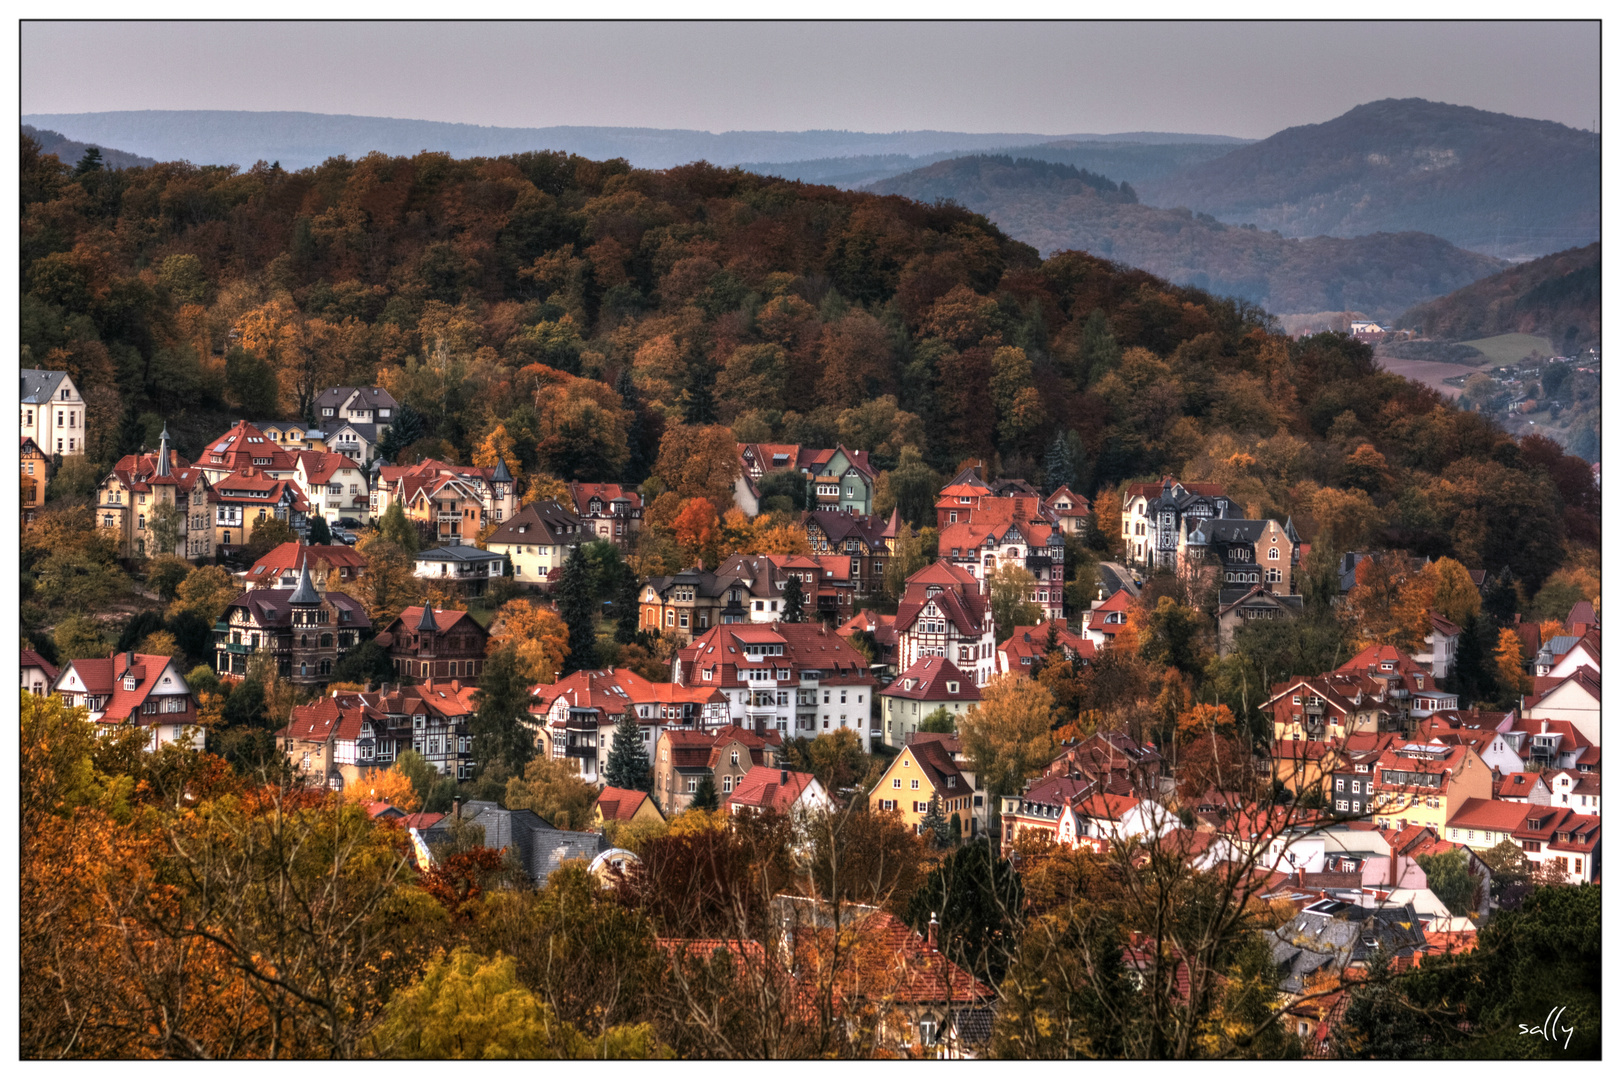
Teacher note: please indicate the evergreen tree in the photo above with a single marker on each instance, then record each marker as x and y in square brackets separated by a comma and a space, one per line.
[626, 612]
[793, 601]
[698, 397]
[1099, 350]
[320, 532]
[1472, 677]
[397, 530]
[90, 162]
[574, 606]
[977, 898]
[1065, 462]
[1501, 598]
[499, 737]
[640, 435]
[706, 797]
[934, 823]
[408, 427]
[628, 766]
[131, 436]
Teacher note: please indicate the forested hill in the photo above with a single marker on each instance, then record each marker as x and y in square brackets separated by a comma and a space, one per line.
[1055, 208]
[70, 151]
[1559, 297]
[573, 313]
[1488, 182]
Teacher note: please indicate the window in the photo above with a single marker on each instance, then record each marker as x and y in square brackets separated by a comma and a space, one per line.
[726, 784]
[897, 781]
[914, 785]
[692, 784]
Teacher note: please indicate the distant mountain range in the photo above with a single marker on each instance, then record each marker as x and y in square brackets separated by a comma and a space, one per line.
[69, 151]
[1500, 184]
[1559, 297]
[299, 139]
[1136, 161]
[1055, 207]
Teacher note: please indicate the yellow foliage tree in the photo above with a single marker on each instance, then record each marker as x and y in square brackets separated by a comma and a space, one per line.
[1511, 662]
[386, 786]
[537, 634]
[1456, 598]
[499, 445]
[544, 487]
[1008, 735]
[1203, 719]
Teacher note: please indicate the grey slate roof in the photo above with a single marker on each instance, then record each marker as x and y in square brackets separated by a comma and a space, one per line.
[458, 553]
[539, 846]
[305, 593]
[1228, 530]
[337, 397]
[1334, 933]
[39, 385]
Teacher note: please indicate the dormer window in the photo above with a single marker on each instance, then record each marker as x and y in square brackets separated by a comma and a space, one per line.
[129, 682]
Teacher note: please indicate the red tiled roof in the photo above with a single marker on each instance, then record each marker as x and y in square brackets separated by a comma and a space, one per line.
[926, 680]
[769, 789]
[319, 466]
[105, 678]
[1031, 641]
[619, 804]
[1491, 814]
[30, 658]
[290, 556]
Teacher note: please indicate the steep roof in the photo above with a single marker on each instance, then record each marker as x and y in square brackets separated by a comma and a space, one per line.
[105, 678]
[336, 397]
[769, 789]
[541, 522]
[619, 804]
[320, 466]
[271, 608]
[287, 557]
[30, 658]
[39, 385]
[927, 679]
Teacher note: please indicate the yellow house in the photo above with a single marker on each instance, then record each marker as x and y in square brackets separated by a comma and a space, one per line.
[927, 769]
[620, 804]
[1427, 784]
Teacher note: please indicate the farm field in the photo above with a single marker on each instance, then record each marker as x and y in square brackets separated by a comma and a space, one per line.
[1510, 348]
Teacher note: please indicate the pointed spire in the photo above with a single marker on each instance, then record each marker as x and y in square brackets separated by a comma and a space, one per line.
[501, 475]
[305, 593]
[426, 624]
[163, 452]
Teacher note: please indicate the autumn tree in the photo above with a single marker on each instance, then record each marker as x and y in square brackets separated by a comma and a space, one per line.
[389, 583]
[537, 636]
[699, 462]
[1008, 733]
[1011, 588]
[207, 591]
[1511, 676]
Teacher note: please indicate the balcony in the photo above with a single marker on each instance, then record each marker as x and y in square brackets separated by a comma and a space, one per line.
[445, 515]
[239, 648]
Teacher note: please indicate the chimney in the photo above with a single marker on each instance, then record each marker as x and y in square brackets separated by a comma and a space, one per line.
[934, 933]
[785, 778]
[456, 807]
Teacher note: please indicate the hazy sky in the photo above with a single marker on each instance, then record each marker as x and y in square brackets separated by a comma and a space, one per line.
[1246, 79]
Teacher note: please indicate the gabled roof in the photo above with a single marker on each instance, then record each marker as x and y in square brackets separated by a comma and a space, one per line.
[271, 608]
[619, 804]
[582, 495]
[30, 658]
[320, 466]
[457, 553]
[337, 397]
[538, 523]
[105, 678]
[1491, 814]
[769, 789]
[926, 680]
[39, 385]
[1031, 641]
[1584, 678]
[284, 558]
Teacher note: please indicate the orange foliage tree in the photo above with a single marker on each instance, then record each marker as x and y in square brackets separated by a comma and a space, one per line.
[538, 636]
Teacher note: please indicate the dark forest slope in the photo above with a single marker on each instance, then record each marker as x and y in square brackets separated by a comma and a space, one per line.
[1559, 297]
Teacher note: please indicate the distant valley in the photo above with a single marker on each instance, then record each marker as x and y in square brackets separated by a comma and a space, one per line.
[1054, 208]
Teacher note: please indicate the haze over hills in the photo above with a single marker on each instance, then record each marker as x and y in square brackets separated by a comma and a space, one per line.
[300, 139]
[1132, 158]
[1559, 297]
[1489, 182]
[1056, 208]
[69, 151]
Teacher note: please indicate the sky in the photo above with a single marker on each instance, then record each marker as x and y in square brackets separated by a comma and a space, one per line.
[1247, 79]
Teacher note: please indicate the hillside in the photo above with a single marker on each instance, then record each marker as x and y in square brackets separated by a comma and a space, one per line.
[301, 139]
[1127, 158]
[1504, 185]
[590, 321]
[1038, 203]
[1558, 297]
[70, 151]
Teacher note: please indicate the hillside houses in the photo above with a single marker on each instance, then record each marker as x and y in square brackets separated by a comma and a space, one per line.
[944, 613]
[450, 504]
[536, 541]
[794, 679]
[131, 688]
[610, 511]
[129, 501]
[866, 541]
[52, 412]
[577, 718]
[840, 478]
[1154, 517]
[306, 630]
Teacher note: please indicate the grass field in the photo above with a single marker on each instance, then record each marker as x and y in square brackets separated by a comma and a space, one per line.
[1510, 348]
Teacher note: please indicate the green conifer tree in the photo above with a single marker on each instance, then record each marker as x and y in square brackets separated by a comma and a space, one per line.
[397, 530]
[575, 606]
[320, 532]
[499, 737]
[627, 617]
[793, 601]
[706, 797]
[934, 824]
[628, 766]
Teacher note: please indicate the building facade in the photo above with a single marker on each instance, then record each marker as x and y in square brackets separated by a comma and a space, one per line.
[140, 490]
[134, 688]
[537, 540]
[52, 412]
[424, 643]
[306, 631]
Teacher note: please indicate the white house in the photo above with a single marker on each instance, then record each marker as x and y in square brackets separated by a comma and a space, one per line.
[133, 688]
[1575, 699]
[52, 412]
[335, 485]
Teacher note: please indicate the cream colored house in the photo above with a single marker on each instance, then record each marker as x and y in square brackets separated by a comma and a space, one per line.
[52, 412]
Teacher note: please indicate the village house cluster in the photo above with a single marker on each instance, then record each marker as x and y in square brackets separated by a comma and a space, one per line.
[1380, 762]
